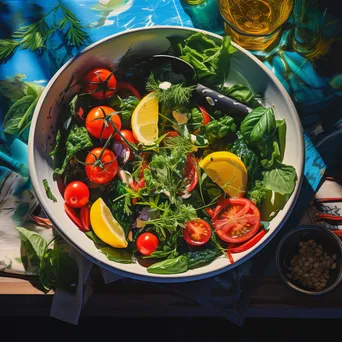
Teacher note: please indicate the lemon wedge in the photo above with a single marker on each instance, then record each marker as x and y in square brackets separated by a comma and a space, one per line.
[105, 226]
[227, 171]
[145, 120]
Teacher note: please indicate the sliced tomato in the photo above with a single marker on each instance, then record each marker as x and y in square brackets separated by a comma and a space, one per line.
[197, 232]
[191, 172]
[125, 89]
[236, 220]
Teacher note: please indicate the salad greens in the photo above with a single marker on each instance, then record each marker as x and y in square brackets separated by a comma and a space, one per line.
[149, 172]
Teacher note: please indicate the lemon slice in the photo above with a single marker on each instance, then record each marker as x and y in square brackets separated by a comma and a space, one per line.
[105, 226]
[227, 171]
[145, 120]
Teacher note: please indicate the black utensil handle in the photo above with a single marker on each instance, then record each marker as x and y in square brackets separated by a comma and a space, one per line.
[219, 101]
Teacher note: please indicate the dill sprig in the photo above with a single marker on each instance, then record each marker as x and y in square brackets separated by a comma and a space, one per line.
[35, 35]
[182, 143]
[176, 96]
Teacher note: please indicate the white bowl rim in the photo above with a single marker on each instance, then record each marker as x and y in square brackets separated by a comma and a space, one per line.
[160, 278]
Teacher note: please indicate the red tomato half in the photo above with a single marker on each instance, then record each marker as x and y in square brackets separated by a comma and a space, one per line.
[147, 243]
[236, 220]
[191, 172]
[76, 194]
[102, 169]
[127, 134]
[100, 83]
[97, 122]
[197, 232]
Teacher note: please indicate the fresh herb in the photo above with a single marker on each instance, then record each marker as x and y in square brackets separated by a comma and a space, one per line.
[242, 94]
[123, 256]
[176, 96]
[203, 256]
[281, 134]
[196, 120]
[126, 109]
[218, 129]
[257, 193]
[48, 191]
[77, 140]
[34, 37]
[56, 268]
[179, 264]
[259, 125]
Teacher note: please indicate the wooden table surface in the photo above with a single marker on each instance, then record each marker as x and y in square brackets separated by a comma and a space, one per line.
[272, 298]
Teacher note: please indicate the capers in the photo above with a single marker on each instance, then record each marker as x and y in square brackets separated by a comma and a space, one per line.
[311, 265]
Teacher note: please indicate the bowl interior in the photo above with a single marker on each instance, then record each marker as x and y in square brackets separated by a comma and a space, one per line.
[288, 247]
[244, 68]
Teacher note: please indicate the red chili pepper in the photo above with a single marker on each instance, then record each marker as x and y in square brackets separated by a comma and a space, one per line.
[42, 221]
[230, 257]
[127, 86]
[248, 244]
[71, 212]
[85, 218]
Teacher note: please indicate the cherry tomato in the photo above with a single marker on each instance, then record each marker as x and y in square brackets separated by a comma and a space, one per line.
[191, 172]
[85, 218]
[197, 232]
[127, 134]
[100, 83]
[236, 220]
[76, 194]
[102, 169]
[125, 89]
[147, 243]
[97, 122]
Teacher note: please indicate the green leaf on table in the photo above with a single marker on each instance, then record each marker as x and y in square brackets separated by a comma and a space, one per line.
[48, 191]
[280, 179]
[259, 125]
[121, 255]
[38, 244]
[58, 270]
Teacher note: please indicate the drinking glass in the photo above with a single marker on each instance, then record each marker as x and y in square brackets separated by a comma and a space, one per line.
[254, 24]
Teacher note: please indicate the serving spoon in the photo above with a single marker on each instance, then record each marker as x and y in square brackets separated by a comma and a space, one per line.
[210, 96]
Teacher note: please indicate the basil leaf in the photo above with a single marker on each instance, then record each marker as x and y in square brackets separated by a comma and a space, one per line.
[271, 153]
[281, 179]
[259, 125]
[48, 191]
[77, 140]
[13, 89]
[38, 244]
[122, 256]
[92, 236]
[170, 266]
[241, 93]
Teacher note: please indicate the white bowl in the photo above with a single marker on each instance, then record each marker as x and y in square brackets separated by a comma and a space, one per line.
[147, 41]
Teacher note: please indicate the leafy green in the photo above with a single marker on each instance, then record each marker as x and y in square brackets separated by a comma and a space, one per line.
[38, 244]
[7, 49]
[270, 152]
[123, 256]
[249, 158]
[280, 179]
[281, 134]
[127, 107]
[58, 146]
[92, 236]
[179, 264]
[259, 125]
[77, 140]
[241, 93]
[196, 120]
[218, 129]
[56, 268]
[209, 58]
[48, 191]
[14, 88]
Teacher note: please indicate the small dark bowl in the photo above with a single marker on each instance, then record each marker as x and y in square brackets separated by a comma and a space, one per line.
[288, 247]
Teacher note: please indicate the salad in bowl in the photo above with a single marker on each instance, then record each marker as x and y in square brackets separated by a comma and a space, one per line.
[156, 176]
